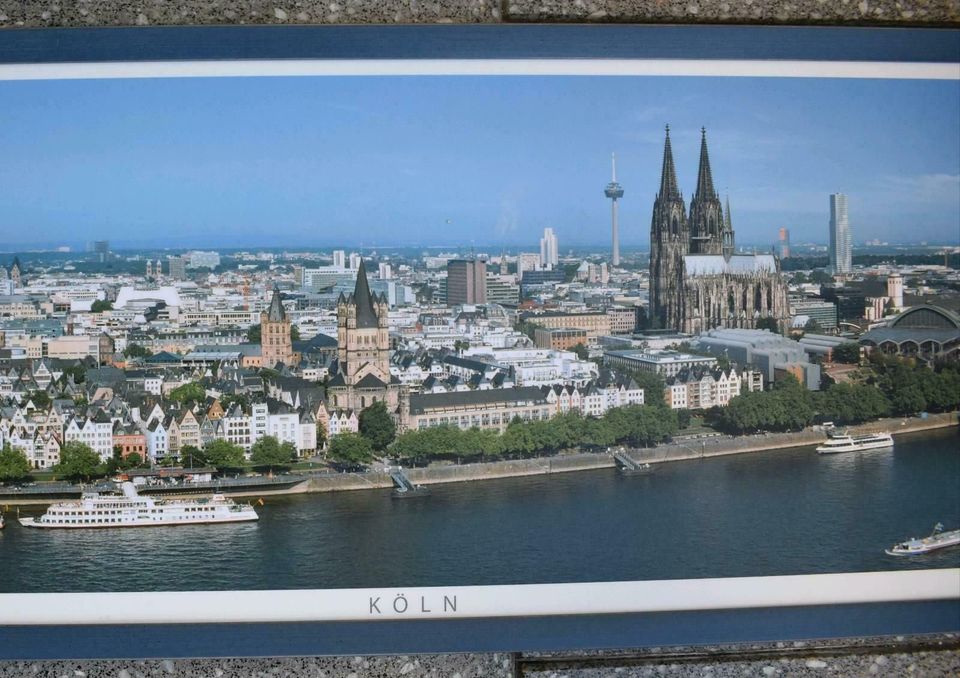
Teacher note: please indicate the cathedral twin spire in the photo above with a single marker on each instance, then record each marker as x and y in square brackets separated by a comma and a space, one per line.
[705, 190]
[668, 175]
[710, 230]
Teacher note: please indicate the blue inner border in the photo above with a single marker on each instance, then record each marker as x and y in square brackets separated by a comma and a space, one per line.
[479, 42]
[477, 635]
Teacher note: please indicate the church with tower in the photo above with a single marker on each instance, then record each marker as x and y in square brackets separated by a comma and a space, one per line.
[276, 344]
[360, 374]
[697, 280]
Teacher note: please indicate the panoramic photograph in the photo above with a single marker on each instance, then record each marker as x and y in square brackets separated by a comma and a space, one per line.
[367, 331]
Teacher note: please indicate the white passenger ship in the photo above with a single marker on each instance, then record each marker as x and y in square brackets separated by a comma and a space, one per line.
[938, 539]
[848, 443]
[132, 510]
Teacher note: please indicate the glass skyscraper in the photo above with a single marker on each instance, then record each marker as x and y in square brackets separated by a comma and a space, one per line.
[841, 240]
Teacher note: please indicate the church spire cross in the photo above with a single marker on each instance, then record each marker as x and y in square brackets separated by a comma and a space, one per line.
[668, 175]
[705, 189]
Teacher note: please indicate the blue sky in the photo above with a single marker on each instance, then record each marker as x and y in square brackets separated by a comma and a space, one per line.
[441, 160]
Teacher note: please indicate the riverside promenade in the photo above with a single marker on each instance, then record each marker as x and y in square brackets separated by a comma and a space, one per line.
[679, 450]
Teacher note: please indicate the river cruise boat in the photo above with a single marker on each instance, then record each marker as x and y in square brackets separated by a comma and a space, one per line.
[132, 510]
[848, 443]
[938, 539]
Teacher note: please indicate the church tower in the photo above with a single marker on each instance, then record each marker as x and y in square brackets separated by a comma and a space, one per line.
[363, 335]
[669, 241]
[16, 272]
[729, 245]
[706, 213]
[276, 345]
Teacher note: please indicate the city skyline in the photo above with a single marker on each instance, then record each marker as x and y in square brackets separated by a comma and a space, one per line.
[452, 161]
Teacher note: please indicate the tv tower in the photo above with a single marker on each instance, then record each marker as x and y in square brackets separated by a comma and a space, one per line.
[614, 191]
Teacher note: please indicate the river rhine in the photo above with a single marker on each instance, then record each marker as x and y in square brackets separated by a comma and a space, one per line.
[783, 512]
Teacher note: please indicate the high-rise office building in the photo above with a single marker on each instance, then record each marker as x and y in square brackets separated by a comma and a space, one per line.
[895, 290]
[355, 260]
[614, 191]
[102, 249]
[384, 271]
[177, 268]
[527, 261]
[339, 259]
[841, 240]
[466, 282]
[549, 256]
[783, 245]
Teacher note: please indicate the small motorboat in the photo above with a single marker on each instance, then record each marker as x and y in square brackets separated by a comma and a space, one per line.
[916, 546]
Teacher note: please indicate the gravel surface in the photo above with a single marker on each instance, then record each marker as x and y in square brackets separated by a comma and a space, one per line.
[184, 12]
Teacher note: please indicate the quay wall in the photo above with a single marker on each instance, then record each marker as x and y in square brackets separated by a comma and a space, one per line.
[677, 451]
[724, 445]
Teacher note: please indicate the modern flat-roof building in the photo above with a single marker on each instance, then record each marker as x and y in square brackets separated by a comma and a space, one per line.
[486, 409]
[824, 312]
[772, 354]
[597, 324]
[559, 338]
[664, 363]
[466, 282]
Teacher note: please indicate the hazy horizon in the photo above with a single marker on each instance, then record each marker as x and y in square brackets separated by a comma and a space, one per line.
[455, 161]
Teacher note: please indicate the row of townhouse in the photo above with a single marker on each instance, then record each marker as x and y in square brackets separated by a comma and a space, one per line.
[703, 388]
[167, 433]
[40, 434]
[596, 398]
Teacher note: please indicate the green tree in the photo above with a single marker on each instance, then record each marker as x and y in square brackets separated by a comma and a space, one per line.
[581, 351]
[78, 462]
[78, 372]
[223, 454]
[652, 385]
[351, 448]
[236, 399]
[137, 351]
[377, 426]
[253, 334]
[269, 452]
[192, 391]
[14, 464]
[813, 327]
[847, 352]
[294, 333]
[768, 323]
[193, 457]
[908, 400]
[821, 277]
[40, 399]
[100, 305]
[321, 435]
[436, 441]
[132, 460]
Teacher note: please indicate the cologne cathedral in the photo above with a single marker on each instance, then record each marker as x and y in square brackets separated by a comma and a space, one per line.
[697, 281]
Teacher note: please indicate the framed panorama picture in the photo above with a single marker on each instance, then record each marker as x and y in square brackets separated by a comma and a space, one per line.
[353, 340]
